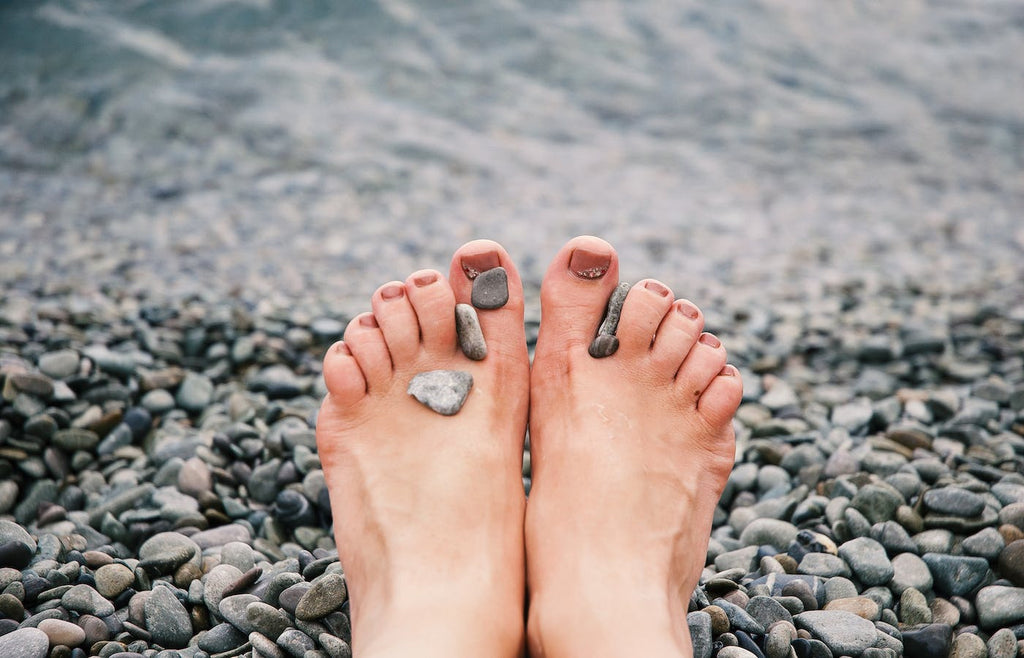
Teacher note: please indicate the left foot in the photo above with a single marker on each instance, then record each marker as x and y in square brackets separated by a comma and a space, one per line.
[429, 509]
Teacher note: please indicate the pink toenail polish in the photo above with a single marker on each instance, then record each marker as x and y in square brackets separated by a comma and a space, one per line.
[710, 340]
[729, 370]
[424, 279]
[392, 292]
[473, 265]
[588, 264]
[368, 321]
[657, 287]
[688, 310]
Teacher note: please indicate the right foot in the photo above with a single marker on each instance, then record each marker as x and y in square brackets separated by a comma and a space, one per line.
[428, 509]
[630, 454]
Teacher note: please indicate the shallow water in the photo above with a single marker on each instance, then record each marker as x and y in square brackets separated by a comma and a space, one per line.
[249, 146]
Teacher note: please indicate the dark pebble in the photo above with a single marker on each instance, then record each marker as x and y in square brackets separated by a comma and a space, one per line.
[490, 289]
[928, 641]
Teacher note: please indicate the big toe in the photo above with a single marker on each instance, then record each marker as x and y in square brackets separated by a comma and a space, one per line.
[575, 292]
[484, 276]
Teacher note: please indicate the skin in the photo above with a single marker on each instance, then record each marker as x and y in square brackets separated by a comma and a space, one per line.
[629, 454]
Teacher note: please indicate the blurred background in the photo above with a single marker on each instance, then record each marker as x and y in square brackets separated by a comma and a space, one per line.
[298, 154]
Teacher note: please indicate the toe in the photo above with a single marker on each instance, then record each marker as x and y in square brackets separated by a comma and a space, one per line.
[501, 323]
[575, 293]
[721, 398]
[397, 321]
[676, 336]
[642, 312]
[701, 365]
[366, 343]
[434, 303]
[345, 381]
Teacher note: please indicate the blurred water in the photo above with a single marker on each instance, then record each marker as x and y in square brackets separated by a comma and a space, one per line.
[248, 146]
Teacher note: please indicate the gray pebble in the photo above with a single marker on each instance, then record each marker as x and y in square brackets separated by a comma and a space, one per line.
[233, 610]
[167, 620]
[843, 632]
[24, 643]
[1002, 644]
[739, 619]
[955, 574]
[767, 611]
[824, 565]
[85, 600]
[910, 571]
[773, 532]
[490, 289]
[969, 645]
[59, 364]
[267, 619]
[222, 535]
[443, 391]
[1000, 606]
[166, 551]
[264, 646]
[987, 543]
[700, 633]
[602, 347]
[954, 501]
[335, 646]
[295, 643]
[222, 637]
[914, 608]
[471, 336]
[195, 393]
[868, 560]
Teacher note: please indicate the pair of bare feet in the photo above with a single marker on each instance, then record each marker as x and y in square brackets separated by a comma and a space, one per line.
[629, 453]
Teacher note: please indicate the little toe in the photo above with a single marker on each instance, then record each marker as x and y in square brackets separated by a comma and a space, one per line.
[345, 381]
[498, 297]
[366, 343]
[397, 321]
[575, 293]
[704, 361]
[642, 313]
[676, 336]
[434, 303]
[721, 398]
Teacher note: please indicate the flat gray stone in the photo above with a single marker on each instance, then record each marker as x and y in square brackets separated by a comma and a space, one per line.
[267, 619]
[700, 633]
[166, 551]
[954, 501]
[773, 532]
[167, 619]
[606, 346]
[868, 560]
[24, 643]
[490, 289]
[1000, 606]
[956, 575]
[443, 391]
[222, 637]
[471, 337]
[11, 531]
[910, 571]
[824, 565]
[233, 610]
[845, 633]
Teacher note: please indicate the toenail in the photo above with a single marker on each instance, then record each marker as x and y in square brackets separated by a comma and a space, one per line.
[392, 292]
[689, 310]
[710, 340]
[729, 370]
[424, 279]
[657, 287]
[588, 264]
[368, 321]
[342, 348]
[473, 265]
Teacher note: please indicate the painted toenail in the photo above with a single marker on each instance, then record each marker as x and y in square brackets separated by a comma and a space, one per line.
[424, 279]
[688, 310]
[588, 264]
[729, 370]
[342, 348]
[473, 265]
[368, 321]
[392, 292]
[710, 340]
[490, 289]
[658, 288]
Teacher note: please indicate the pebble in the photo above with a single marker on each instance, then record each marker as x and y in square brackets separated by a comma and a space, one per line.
[954, 500]
[605, 342]
[1000, 606]
[700, 633]
[987, 543]
[1011, 562]
[772, 532]
[914, 608]
[194, 393]
[62, 632]
[24, 643]
[1002, 644]
[490, 289]
[112, 579]
[928, 641]
[910, 571]
[868, 561]
[969, 645]
[954, 574]
[443, 391]
[843, 632]
[327, 594]
[267, 619]
[167, 620]
[471, 336]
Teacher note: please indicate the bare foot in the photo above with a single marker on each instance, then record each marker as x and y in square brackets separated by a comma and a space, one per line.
[428, 509]
[630, 454]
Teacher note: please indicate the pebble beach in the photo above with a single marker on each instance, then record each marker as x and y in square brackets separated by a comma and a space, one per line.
[189, 218]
